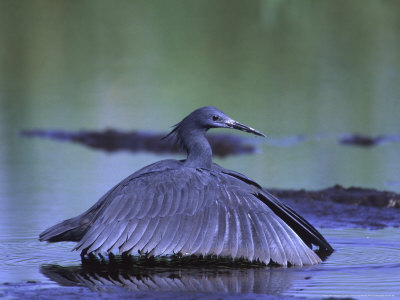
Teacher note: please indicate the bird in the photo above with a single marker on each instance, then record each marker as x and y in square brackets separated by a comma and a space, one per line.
[194, 207]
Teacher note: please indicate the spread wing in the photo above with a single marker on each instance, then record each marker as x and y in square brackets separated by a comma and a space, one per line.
[192, 211]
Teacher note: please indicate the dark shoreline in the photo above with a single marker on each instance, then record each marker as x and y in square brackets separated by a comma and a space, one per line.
[339, 194]
[339, 207]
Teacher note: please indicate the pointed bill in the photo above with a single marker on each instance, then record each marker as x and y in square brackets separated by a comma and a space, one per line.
[239, 126]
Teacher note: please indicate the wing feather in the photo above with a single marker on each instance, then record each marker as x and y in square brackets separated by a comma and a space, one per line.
[157, 203]
[210, 231]
[184, 233]
[194, 198]
[225, 251]
[184, 200]
[87, 239]
[233, 238]
[305, 255]
[132, 204]
[196, 228]
[145, 206]
[114, 235]
[136, 235]
[158, 235]
[173, 246]
[288, 247]
[114, 212]
[146, 236]
[176, 200]
[168, 201]
[247, 243]
[276, 249]
[247, 235]
[196, 245]
[124, 236]
[170, 237]
[219, 240]
[171, 228]
[97, 246]
[261, 246]
[98, 237]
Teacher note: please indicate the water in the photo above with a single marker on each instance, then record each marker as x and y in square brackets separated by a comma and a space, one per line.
[317, 68]
[365, 264]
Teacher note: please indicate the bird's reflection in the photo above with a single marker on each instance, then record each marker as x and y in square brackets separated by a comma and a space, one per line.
[103, 277]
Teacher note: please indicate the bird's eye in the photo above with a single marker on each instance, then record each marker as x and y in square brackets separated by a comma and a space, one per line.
[215, 118]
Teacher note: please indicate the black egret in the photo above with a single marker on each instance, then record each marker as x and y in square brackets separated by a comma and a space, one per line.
[194, 206]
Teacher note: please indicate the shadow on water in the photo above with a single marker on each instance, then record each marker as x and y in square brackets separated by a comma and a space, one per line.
[272, 281]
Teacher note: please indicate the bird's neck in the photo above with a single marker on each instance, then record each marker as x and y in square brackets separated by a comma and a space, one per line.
[198, 150]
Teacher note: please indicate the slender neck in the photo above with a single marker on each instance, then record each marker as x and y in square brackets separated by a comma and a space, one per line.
[198, 149]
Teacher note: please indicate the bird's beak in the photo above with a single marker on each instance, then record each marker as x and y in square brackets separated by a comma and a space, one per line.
[236, 125]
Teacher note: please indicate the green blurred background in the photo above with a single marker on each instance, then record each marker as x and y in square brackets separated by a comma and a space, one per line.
[288, 66]
[285, 67]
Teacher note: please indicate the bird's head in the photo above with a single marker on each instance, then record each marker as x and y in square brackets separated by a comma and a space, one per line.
[210, 117]
[203, 119]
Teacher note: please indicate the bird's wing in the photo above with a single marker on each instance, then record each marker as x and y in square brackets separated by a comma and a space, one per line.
[305, 230]
[192, 211]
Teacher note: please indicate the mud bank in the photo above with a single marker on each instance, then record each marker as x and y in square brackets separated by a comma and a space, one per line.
[337, 206]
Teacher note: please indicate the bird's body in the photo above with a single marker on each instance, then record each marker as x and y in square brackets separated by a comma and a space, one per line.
[193, 207]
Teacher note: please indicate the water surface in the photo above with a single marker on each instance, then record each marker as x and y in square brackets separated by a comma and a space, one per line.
[365, 264]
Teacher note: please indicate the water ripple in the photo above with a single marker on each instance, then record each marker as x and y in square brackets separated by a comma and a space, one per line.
[365, 264]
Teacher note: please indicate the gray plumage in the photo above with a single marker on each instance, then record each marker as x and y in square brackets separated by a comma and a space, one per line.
[193, 207]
